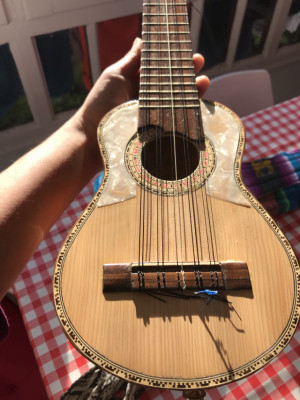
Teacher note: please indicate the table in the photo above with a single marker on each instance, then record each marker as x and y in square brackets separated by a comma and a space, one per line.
[269, 132]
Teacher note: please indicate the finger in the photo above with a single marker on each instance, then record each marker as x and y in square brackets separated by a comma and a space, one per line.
[198, 62]
[202, 83]
[129, 65]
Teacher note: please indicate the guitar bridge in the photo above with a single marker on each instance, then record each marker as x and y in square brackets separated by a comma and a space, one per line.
[225, 275]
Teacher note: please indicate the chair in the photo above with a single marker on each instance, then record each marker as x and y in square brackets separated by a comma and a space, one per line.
[245, 92]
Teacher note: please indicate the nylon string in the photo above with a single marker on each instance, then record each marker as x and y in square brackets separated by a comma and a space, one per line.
[180, 214]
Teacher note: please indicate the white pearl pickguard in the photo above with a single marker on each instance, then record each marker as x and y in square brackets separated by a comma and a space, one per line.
[220, 127]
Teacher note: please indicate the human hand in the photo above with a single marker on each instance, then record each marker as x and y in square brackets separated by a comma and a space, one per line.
[119, 84]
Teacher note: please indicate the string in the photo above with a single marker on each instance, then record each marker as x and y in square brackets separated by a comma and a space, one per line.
[190, 193]
[157, 165]
[186, 156]
[178, 60]
[194, 197]
[145, 117]
[185, 136]
[206, 201]
[177, 200]
[193, 211]
[148, 192]
[160, 79]
[208, 222]
[180, 247]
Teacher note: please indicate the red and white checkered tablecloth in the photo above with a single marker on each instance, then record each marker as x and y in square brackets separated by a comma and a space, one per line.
[268, 132]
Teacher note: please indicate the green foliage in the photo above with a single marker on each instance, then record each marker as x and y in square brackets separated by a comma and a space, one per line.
[75, 97]
[19, 114]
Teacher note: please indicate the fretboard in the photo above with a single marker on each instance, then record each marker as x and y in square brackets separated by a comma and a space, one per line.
[167, 80]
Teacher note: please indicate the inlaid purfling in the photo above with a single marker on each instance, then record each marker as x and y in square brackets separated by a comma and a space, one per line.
[174, 209]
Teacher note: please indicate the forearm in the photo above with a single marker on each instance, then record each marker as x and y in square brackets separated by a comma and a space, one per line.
[36, 189]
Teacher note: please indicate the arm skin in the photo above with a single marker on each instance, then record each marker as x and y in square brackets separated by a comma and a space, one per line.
[36, 189]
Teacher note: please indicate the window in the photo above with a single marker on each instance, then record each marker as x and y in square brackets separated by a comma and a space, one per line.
[291, 33]
[255, 27]
[14, 108]
[215, 30]
[65, 61]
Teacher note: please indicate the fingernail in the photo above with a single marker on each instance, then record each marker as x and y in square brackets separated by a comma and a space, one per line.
[136, 43]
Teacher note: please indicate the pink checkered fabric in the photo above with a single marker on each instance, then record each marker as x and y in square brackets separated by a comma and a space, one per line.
[269, 132]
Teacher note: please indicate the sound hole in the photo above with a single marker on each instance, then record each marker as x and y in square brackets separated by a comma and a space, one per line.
[158, 157]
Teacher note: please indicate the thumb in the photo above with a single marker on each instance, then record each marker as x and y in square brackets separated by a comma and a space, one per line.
[130, 63]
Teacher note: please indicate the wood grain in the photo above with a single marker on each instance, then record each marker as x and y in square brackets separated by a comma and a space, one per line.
[169, 340]
[180, 344]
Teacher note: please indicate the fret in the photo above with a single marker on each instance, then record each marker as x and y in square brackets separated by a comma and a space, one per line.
[183, 99]
[164, 24]
[166, 50]
[154, 65]
[158, 67]
[170, 63]
[166, 75]
[144, 76]
[169, 106]
[188, 51]
[166, 59]
[166, 33]
[162, 5]
[168, 83]
[162, 44]
[177, 81]
[166, 91]
[165, 14]
[164, 41]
